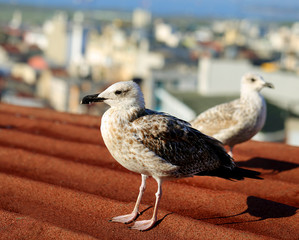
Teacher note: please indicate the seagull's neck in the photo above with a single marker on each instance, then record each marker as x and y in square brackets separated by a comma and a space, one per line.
[254, 102]
[125, 113]
[250, 96]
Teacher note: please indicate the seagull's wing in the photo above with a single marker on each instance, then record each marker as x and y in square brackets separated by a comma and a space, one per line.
[179, 144]
[217, 120]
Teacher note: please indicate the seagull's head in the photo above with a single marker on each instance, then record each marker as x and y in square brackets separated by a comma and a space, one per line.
[123, 94]
[254, 82]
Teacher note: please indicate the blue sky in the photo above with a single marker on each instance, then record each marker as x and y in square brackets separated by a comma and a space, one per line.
[267, 9]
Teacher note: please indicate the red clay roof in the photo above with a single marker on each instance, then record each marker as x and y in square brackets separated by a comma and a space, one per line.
[58, 181]
[38, 62]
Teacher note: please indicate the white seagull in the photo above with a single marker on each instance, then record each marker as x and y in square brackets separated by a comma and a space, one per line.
[155, 144]
[239, 120]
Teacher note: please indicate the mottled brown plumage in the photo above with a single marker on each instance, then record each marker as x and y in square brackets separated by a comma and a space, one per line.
[180, 145]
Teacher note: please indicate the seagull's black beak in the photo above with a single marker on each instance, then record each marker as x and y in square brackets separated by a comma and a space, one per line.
[269, 85]
[92, 98]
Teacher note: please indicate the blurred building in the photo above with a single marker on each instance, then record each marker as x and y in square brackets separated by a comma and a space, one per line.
[16, 20]
[141, 18]
[57, 35]
[61, 92]
[164, 33]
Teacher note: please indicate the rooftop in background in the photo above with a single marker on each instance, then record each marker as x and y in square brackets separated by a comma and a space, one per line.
[59, 181]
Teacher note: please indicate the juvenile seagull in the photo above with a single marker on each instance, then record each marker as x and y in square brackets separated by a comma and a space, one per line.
[239, 120]
[154, 144]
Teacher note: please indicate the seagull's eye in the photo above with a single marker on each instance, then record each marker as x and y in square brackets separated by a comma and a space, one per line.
[117, 92]
[252, 79]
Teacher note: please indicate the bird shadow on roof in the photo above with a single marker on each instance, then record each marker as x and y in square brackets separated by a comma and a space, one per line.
[261, 208]
[268, 164]
[160, 220]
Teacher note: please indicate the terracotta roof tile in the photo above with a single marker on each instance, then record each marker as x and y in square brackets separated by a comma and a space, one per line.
[57, 180]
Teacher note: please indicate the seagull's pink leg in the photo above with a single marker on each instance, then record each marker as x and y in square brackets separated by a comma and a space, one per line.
[147, 224]
[134, 214]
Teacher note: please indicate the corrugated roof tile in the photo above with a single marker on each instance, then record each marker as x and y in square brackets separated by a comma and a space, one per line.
[57, 180]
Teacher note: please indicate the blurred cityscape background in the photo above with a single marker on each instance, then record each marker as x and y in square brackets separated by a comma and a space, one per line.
[187, 55]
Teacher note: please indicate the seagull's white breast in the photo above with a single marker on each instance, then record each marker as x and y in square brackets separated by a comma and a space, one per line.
[119, 137]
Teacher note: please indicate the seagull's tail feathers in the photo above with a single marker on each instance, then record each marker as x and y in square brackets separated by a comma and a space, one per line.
[226, 162]
[236, 173]
[226, 166]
